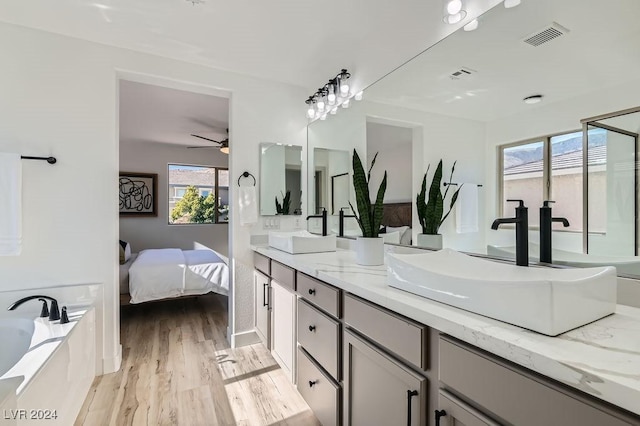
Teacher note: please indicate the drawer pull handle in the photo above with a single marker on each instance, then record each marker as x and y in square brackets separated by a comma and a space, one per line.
[410, 394]
[439, 414]
[311, 383]
[312, 291]
[312, 328]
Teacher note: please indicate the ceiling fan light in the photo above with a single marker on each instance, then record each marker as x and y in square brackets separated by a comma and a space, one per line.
[225, 150]
[534, 99]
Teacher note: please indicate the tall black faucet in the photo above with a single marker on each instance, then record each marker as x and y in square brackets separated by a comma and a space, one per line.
[545, 230]
[324, 220]
[341, 217]
[522, 232]
[54, 312]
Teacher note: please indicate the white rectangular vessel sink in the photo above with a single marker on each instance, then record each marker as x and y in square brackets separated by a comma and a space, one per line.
[298, 242]
[547, 300]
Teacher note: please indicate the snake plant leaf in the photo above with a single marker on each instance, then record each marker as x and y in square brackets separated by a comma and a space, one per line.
[420, 202]
[356, 215]
[430, 211]
[363, 201]
[371, 167]
[377, 209]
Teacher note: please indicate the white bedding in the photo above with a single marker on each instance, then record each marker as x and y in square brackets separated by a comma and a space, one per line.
[164, 273]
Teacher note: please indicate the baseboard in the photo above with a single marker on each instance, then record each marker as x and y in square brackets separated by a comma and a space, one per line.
[111, 365]
[244, 339]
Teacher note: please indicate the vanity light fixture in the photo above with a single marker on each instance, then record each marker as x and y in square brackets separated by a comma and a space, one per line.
[326, 100]
[534, 99]
[508, 4]
[453, 12]
[473, 25]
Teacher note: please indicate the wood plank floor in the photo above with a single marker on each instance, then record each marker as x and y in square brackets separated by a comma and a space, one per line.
[178, 369]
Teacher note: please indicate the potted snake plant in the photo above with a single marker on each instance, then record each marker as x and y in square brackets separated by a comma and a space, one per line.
[369, 247]
[431, 210]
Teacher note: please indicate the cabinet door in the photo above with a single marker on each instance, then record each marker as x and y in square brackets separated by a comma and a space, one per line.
[262, 309]
[283, 314]
[379, 390]
[453, 412]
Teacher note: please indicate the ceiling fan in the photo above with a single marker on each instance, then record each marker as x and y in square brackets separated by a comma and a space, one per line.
[223, 144]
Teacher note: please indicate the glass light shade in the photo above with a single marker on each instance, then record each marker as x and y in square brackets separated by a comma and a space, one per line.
[331, 96]
[311, 112]
[320, 104]
[344, 86]
[454, 6]
[473, 25]
[454, 19]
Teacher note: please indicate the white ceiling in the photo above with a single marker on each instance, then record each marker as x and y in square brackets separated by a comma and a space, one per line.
[601, 49]
[302, 42]
[159, 114]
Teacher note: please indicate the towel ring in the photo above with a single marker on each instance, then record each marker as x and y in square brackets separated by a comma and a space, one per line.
[247, 174]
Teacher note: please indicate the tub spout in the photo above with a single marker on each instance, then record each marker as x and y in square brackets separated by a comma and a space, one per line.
[54, 312]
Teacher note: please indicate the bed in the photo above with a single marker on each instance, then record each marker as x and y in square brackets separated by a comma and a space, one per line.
[397, 219]
[158, 274]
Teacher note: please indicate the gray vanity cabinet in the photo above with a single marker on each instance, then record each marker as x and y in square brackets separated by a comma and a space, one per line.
[452, 411]
[262, 313]
[379, 390]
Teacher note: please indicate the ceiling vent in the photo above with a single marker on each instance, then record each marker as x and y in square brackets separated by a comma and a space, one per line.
[461, 73]
[545, 35]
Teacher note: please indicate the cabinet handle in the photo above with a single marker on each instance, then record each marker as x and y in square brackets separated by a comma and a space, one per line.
[312, 328]
[410, 394]
[311, 383]
[439, 413]
[312, 291]
[264, 294]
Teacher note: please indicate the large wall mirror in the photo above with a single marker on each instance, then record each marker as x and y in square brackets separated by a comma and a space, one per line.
[462, 101]
[280, 179]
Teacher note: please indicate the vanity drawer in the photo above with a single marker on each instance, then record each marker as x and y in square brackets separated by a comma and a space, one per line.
[320, 392]
[459, 412]
[402, 336]
[283, 275]
[512, 394]
[262, 263]
[323, 295]
[319, 334]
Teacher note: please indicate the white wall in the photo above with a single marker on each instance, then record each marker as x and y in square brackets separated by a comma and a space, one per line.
[59, 97]
[155, 232]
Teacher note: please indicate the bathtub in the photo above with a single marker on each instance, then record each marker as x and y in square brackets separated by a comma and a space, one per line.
[52, 364]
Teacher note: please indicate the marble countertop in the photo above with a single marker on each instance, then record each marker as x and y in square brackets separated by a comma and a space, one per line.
[601, 358]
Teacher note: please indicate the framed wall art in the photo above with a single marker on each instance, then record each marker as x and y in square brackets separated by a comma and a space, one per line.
[138, 194]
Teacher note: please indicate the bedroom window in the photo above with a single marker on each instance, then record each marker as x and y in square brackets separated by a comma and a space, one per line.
[198, 194]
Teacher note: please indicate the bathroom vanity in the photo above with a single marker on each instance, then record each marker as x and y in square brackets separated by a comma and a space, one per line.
[363, 353]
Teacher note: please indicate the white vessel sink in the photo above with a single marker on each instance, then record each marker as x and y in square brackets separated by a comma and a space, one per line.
[298, 242]
[623, 264]
[547, 300]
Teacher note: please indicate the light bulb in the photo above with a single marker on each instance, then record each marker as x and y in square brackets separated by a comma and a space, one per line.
[358, 96]
[320, 104]
[311, 111]
[454, 19]
[471, 25]
[331, 97]
[344, 88]
[454, 6]
[345, 104]
[511, 3]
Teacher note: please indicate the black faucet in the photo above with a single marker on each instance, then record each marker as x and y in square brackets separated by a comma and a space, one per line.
[522, 232]
[341, 217]
[54, 312]
[323, 216]
[545, 230]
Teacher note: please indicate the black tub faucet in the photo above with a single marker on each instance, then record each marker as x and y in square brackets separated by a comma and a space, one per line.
[323, 216]
[54, 312]
[342, 217]
[546, 220]
[522, 232]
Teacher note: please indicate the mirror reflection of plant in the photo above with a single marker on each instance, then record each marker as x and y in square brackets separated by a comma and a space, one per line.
[286, 203]
[194, 208]
[430, 213]
[369, 216]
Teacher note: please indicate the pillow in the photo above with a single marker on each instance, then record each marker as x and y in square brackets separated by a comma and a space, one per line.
[125, 252]
[405, 234]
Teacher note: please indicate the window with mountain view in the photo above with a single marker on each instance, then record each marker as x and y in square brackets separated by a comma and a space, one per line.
[198, 194]
[551, 168]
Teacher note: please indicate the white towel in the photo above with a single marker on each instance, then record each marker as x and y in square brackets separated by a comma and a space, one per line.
[248, 205]
[467, 209]
[11, 205]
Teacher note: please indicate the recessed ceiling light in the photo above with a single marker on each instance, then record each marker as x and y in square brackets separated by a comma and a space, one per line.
[532, 99]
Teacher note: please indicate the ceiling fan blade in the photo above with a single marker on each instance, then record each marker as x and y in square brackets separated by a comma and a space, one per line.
[206, 147]
[207, 139]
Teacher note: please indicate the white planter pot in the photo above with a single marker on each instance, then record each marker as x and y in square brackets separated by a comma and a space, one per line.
[369, 251]
[430, 241]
